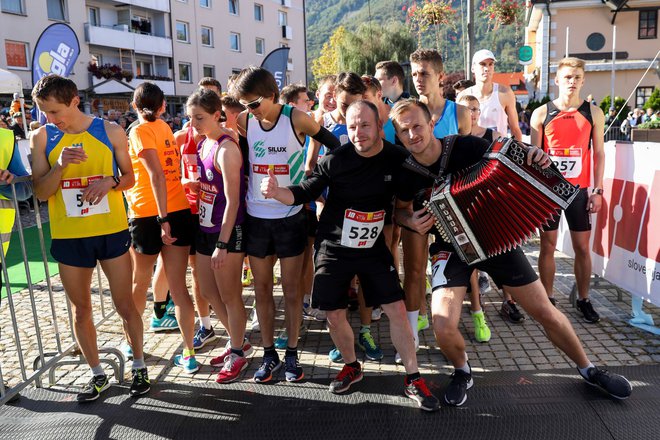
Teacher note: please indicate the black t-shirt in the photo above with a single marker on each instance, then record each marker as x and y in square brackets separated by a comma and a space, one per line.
[467, 151]
[354, 182]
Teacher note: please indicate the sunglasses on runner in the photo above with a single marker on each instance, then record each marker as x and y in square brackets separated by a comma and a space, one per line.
[253, 105]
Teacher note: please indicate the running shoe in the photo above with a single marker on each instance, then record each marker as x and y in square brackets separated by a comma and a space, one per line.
[293, 372]
[94, 388]
[397, 356]
[310, 312]
[203, 337]
[346, 377]
[282, 340]
[231, 370]
[368, 345]
[376, 314]
[335, 356]
[126, 350]
[553, 300]
[510, 311]
[246, 277]
[615, 385]
[219, 361]
[189, 364]
[429, 289]
[254, 320]
[167, 322]
[587, 310]
[422, 322]
[170, 307]
[456, 392]
[481, 330]
[140, 384]
[269, 366]
[419, 392]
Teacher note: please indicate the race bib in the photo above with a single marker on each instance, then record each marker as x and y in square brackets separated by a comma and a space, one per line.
[439, 264]
[361, 229]
[568, 161]
[206, 201]
[261, 172]
[72, 190]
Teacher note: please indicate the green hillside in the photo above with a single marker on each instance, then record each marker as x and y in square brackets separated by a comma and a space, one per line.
[324, 16]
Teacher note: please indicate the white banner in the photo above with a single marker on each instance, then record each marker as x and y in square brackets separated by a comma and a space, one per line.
[625, 239]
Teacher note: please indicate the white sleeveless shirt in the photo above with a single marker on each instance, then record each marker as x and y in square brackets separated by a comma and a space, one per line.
[280, 150]
[493, 115]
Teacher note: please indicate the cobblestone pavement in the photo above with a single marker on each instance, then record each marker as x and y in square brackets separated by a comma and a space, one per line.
[611, 343]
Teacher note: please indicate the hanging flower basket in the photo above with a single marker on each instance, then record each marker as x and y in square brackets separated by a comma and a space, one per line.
[430, 15]
[503, 12]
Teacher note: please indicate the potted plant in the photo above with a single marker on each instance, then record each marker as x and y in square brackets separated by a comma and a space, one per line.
[436, 15]
[503, 12]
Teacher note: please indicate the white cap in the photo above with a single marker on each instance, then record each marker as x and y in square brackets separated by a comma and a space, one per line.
[481, 55]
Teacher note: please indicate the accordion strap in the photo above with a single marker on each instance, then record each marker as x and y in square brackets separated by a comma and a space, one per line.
[447, 145]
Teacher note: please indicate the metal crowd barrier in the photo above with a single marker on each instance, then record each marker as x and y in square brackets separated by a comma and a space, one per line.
[54, 347]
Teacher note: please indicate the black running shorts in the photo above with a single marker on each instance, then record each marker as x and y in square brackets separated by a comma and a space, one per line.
[145, 231]
[336, 267]
[284, 237]
[205, 241]
[577, 214]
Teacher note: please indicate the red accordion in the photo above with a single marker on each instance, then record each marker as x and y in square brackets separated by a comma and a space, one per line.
[498, 203]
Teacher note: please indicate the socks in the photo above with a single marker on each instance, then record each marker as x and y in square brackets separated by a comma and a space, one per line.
[583, 371]
[412, 320]
[160, 308]
[307, 300]
[465, 368]
[238, 352]
[138, 363]
[291, 352]
[413, 377]
[98, 370]
[188, 353]
[205, 321]
[355, 364]
[365, 329]
[479, 312]
[270, 351]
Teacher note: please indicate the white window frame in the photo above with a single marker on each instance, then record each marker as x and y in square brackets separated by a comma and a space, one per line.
[201, 35]
[263, 46]
[189, 65]
[21, 4]
[186, 27]
[97, 15]
[237, 7]
[260, 8]
[232, 34]
[65, 12]
[280, 15]
[208, 66]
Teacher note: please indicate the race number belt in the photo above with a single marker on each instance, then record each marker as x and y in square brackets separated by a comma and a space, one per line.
[361, 229]
[206, 201]
[72, 190]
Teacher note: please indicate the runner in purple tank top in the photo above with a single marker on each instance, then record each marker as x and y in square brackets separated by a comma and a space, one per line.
[220, 241]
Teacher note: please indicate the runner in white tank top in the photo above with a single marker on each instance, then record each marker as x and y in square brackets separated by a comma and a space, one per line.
[493, 115]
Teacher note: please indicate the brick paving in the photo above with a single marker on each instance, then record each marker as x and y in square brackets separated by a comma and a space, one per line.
[612, 342]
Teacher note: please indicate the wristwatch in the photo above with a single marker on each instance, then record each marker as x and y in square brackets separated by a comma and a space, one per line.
[222, 245]
[598, 191]
[117, 182]
[162, 220]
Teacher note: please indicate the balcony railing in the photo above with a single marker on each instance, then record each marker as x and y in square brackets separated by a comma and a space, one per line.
[119, 37]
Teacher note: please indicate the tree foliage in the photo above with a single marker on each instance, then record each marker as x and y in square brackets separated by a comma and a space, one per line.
[653, 101]
[328, 61]
[619, 102]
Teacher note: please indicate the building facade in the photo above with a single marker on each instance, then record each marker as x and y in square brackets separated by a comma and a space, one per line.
[173, 43]
[589, 26]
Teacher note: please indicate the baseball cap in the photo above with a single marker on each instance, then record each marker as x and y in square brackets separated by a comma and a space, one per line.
[481, 55]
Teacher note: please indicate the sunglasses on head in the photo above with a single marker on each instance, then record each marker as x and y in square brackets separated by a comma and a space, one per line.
[253, 105]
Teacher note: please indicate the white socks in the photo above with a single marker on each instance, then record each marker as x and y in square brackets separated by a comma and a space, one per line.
[205, 322]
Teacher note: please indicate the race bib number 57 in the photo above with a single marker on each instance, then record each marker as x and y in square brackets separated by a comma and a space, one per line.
[361, 229]
[72, 190]
[439, 264]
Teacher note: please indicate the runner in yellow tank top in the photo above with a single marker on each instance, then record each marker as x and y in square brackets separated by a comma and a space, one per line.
[81, 165]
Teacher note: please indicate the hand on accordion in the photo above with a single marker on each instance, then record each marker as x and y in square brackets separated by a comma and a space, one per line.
[537, 155]
[421, 221]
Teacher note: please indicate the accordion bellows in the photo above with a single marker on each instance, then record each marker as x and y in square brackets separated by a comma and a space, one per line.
[498, 203]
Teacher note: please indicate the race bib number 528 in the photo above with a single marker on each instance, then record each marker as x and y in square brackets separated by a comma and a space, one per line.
[361, 229]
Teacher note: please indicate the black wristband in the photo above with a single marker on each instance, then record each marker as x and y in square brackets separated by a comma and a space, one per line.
[162, 220]
[221, 245]
[117, 182]
[598, 191]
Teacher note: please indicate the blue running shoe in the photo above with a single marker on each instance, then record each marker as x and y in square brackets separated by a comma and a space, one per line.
[282, 340]
[293, 372]
[167, 322]
[126, 350]
[368, 345]
[189, 364]
[170, 307]
[203, 337]
[269, 365]
[335, 356]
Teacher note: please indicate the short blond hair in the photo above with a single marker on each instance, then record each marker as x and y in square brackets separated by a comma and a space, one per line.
[571, 62]
[468, 98]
